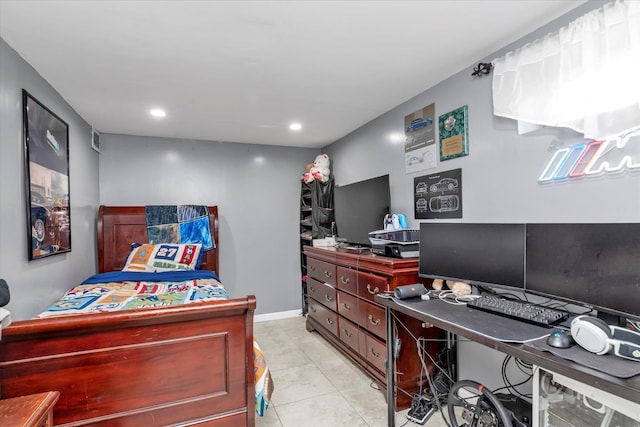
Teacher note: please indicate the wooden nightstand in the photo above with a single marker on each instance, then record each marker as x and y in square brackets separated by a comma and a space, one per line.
[35, 410]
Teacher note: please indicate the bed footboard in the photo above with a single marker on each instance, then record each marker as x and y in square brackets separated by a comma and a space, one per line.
[188, 365]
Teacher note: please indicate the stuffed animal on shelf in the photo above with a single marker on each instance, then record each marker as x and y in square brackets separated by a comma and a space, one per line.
[319, 171]
[307, 177]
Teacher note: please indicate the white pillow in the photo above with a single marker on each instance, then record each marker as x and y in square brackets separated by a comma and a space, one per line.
[164, 257]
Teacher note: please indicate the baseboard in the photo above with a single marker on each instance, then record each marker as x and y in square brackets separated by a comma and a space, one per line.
[276, 316]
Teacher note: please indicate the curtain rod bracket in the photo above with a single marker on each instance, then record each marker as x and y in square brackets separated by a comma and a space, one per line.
[482, 68]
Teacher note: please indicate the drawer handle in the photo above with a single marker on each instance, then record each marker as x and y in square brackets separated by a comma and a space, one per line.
[313, 309]
[374, 322]
[312, 289]
[328, 298]
[375, 290]
[347, 333]
[373, 352]
[344, 280]
[312, 267]
[328, 274]
[329, 321]
[347, 306]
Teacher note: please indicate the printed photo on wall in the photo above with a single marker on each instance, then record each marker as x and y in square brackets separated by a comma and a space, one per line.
[46, 141]
[438, 195]
[419, 141]
[454, 134]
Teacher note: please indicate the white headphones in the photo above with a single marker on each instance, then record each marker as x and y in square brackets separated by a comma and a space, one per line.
[596, 336]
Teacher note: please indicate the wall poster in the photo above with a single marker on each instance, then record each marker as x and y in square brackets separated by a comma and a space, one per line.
[438, 195]
[46, 138]
[454, 134]
[420, 142]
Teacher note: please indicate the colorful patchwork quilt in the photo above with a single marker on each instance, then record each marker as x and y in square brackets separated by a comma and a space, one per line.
[130, 290]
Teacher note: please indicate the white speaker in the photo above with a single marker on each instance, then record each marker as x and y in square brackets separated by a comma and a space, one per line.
[596, 336]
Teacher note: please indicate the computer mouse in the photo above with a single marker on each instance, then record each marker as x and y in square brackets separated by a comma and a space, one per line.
[560, 339]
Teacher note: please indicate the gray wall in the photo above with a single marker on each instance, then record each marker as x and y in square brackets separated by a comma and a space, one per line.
[256, 188]
[35, 284]
[499, 174]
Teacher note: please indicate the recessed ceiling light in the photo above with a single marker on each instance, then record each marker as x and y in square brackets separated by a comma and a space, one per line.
[295, 126]
[156, 112]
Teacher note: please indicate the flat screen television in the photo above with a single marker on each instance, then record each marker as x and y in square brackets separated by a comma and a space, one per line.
[597, 265]
[478, 254]
[360, 209]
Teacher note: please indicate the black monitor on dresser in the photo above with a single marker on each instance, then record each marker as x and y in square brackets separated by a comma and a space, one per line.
[596, 265]
[479, 254]
[360, 208]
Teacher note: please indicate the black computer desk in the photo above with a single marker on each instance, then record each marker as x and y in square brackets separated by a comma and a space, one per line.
[628, 389]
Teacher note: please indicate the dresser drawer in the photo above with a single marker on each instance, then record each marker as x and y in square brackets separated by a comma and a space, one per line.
[348, 333]
[375, 351]
[322, 271]
[357, 326]
[347, 280]
[369, 285]
[324, 316]
[373, 319]
[323, 293]
[348, 306]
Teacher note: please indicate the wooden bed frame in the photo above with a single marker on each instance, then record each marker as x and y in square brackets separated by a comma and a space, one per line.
[176, 366]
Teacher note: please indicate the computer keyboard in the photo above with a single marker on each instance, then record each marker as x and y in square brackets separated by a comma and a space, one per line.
[519, 310]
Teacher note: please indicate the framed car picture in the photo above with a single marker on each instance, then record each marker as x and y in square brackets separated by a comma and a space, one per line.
[439, 195]
[46, 147]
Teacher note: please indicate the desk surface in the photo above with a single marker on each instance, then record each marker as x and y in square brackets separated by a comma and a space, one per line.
[626, 388]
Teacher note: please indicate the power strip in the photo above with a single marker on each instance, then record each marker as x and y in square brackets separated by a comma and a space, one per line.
[420, 416]
[421, 409]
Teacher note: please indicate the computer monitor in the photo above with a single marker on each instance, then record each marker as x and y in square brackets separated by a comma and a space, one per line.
[478, 254]
[360, 208]
[597, 265]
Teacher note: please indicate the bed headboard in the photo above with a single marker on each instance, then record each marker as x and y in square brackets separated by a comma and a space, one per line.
[120, 226]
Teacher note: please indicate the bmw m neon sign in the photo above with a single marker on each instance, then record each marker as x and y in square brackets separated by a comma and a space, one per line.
[593, 158]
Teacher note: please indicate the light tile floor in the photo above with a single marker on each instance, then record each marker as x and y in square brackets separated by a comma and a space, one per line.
[316, 386]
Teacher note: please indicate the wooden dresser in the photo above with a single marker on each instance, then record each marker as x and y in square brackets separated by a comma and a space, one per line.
[341, 286]
[35, 410]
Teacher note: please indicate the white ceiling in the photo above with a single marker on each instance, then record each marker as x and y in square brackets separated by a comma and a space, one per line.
[241, 71]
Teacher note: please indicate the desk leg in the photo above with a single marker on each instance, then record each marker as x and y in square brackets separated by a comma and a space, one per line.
[391, 383]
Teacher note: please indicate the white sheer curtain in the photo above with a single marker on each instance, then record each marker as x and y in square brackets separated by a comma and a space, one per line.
[586, 76]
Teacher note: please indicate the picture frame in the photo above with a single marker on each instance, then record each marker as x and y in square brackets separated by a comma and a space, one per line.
[46, 154]
[95, 139]
[454, 133]
[438, 195]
